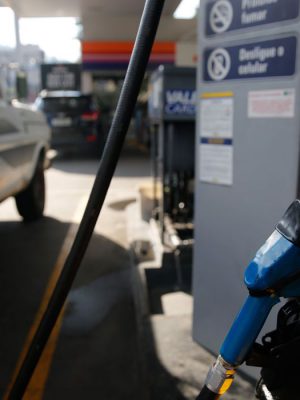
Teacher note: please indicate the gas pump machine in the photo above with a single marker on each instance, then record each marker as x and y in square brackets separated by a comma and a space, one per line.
[172, 109]
[248, 138]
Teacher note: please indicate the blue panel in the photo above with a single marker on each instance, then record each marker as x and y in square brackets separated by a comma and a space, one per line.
[228, 15]
[268, 58]
[180, 102]
[223, 142]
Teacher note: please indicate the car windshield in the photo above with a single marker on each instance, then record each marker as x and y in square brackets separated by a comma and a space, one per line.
[78, 104]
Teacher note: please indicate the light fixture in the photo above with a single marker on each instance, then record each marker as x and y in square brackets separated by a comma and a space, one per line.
[186, 9]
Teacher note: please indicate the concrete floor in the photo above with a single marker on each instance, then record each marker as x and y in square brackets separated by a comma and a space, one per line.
[175, 366]
[104, 346]
[96, 351]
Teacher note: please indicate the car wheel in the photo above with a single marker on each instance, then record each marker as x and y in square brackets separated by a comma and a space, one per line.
[30, 203]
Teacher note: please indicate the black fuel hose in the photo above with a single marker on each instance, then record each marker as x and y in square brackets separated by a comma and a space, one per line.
[128, 96]
[207, 394]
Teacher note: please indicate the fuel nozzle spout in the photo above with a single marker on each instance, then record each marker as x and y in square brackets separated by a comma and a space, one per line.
[218, 380]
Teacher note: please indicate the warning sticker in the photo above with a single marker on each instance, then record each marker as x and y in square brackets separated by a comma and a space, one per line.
[271, 103]
[216, 162]
[216, 118]
[216, 138]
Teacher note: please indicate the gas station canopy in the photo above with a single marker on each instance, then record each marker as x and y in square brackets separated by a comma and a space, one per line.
[106, 19]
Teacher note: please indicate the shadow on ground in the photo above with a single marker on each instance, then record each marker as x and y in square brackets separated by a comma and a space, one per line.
[98, 353]
[168, 338]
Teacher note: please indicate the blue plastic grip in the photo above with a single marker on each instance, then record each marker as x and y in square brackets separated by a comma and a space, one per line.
[277, 259]
[246, 328]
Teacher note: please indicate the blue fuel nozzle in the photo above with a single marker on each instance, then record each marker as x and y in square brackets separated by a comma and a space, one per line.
[273, 273]
[276, 265]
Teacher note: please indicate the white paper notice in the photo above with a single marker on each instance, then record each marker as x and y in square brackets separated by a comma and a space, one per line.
[216, 118]
[216, 164]
[271, 103]
[216, 139]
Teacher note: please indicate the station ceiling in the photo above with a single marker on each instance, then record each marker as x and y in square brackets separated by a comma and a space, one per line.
[107, 19]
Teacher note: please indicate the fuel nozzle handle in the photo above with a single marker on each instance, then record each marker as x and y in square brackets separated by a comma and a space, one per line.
[274, 272]
[237, 345]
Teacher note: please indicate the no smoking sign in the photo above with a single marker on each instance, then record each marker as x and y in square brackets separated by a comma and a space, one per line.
[218, 64]
[262, 59]
[221, 16]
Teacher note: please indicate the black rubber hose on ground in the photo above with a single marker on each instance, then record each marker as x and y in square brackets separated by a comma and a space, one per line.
[132, 83]
[207, 394]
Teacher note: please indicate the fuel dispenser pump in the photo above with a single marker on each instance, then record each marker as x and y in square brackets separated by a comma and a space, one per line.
[172, 113]
[274, 273]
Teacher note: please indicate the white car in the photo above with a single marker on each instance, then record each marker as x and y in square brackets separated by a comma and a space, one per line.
[24, 142]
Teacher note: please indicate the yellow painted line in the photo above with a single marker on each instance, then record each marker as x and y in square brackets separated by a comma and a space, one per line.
[36, 386]
[37, 383]
[213, 95]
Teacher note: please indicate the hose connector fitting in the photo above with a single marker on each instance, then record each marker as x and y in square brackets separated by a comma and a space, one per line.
[220, 376]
